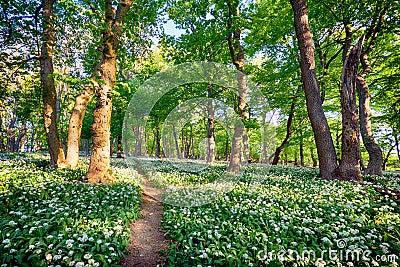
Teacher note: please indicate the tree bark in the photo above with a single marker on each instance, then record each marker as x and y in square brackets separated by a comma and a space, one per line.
[210, 129]
[374, 166]
[119, 146]
[384, 163]
[139, 140]
[49, 95]
[178, 152]
[20, 144]
[246, 148]
[319, 123]
[10, 146]
[75, 125]
[349, 168]
[374, 151]
[314, 160]
[158, 144]
[237, 55]
[302, 152]
[285, 141]
[99, 168]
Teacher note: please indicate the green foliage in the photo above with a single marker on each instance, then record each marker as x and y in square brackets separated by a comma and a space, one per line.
[54, 217]
[281, 209]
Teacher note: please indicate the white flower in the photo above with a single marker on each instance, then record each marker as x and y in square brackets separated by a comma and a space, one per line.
[49, 257]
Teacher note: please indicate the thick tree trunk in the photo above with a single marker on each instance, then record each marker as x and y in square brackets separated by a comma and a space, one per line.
[75, 126]
[319, 123]
[349, 168]
[57, 157]
[99, 168]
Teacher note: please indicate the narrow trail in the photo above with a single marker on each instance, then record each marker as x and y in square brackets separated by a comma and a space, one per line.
[148, 245]
[147, 237]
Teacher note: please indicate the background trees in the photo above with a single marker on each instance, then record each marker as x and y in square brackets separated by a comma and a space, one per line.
[106, 49]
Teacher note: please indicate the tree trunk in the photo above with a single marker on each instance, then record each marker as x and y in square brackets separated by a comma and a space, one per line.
[20, 144]
[349, 168]
[301, 152]
[158, 145]
[10, 146]
[210, 130]
[139, 140]
[75, 125]
[285, 141]
[99, 168]
[384, 163]
[322, 135]
[237, 56]
[57, 157]
[119, 146]
[314, 160]
[112, 145]
[374, 151]
[178, 152]
[191, 143]
[234, 161]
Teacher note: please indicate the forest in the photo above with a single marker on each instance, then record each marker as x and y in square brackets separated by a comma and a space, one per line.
[199, 133]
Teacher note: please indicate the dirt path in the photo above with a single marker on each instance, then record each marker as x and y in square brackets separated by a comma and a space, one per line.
[148, 245]
[147, 237]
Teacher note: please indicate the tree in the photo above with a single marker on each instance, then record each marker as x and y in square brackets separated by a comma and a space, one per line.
[57, 157]
[375, 162]
[322, 135]
[349, 167]
[236, 51]
[99, 168]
